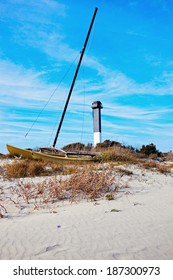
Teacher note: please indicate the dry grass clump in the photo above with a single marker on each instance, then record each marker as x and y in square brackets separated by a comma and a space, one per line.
[149, 164]
[163, 168]
[37, 194]
[23, 168]
[154, 166]
[2, 156]
[5, 156]
[125, 171]
[118, 154]
[109, 196]
[90, 183]
[85, 183]
[30, 168]
[170, 166]
[169, 156]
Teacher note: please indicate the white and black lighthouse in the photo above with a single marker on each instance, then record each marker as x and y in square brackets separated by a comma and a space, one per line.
[97, 106]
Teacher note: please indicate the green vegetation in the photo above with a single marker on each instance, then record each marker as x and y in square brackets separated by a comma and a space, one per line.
[150, 150]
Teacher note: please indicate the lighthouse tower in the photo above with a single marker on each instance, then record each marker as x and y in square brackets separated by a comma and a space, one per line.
[97, 106]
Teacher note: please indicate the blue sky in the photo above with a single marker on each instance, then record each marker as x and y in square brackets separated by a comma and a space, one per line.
[128, 66]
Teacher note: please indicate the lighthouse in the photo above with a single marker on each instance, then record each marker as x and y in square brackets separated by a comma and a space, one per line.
[97, 106]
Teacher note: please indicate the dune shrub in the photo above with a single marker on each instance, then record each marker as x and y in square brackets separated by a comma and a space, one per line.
[154, 166]
[30, 168]
[24, 168]
[150, 150]
[86, 183]
[74, 147]
[89, 182]
[117, 154]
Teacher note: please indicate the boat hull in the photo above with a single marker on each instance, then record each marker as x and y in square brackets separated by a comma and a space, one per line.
[48, 157]
[15, 151]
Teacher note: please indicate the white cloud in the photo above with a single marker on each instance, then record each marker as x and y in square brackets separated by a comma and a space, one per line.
[27, 89]
[18, 84]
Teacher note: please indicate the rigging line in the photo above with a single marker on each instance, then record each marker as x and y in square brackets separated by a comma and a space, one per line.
[51, 96]
[56, 121]
[60, 110]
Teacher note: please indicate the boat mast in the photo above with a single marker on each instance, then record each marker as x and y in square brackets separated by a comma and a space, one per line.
[74, 79]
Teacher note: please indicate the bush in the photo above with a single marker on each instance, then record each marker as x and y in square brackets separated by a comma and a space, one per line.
[86, 183]
[31, 168]
[74, 147]
[90, 183]
[150, 149]
[118, 155]
[107, 144]
[152, 165]
[24, 168]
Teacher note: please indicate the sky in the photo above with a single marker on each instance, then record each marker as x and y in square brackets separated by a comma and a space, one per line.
[128, 66]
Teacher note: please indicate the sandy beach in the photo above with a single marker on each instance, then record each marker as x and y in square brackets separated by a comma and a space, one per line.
[136, 225]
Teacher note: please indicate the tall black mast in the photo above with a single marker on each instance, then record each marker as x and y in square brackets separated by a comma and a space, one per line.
[75, 76]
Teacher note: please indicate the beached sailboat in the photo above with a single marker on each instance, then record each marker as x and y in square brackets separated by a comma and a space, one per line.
[52, 153]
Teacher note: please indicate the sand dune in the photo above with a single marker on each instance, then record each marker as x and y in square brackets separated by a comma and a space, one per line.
[138, 224]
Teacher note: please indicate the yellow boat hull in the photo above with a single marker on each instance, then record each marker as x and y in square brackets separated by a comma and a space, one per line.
[39, 155]
[24, 153]
[15, 151]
